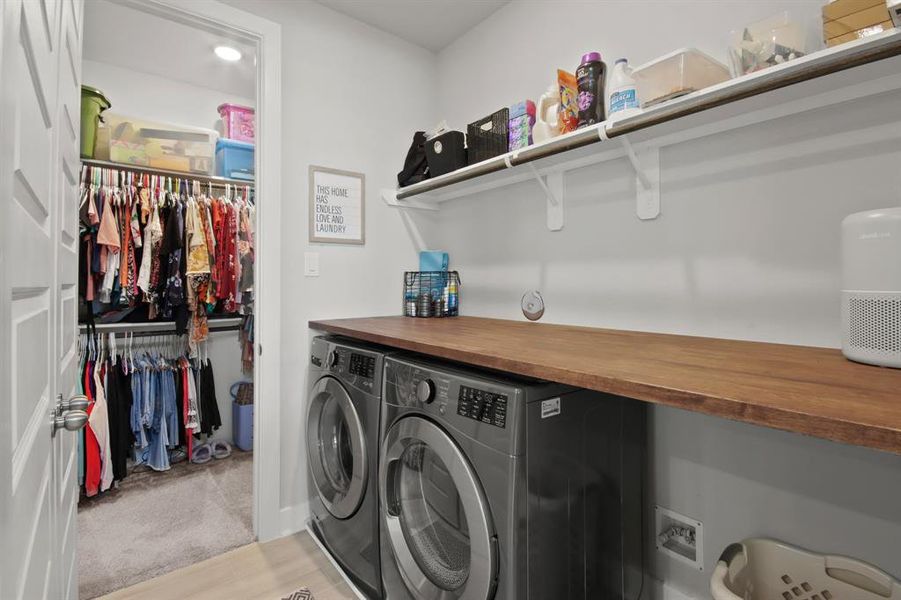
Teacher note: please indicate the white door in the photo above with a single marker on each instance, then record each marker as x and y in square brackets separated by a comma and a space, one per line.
[40, 63]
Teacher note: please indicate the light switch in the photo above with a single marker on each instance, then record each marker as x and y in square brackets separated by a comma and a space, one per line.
[311, 264]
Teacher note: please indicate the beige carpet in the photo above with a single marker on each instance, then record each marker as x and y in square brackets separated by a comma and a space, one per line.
[158, 522]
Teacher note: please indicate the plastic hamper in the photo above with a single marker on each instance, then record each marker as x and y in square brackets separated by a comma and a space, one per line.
[762, 569]
[242, 415]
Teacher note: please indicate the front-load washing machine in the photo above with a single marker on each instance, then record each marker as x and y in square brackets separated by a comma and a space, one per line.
[342, 431]
[497, 487]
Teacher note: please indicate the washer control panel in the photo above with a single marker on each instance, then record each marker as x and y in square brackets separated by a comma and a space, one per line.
[362, 365]
[481, 405]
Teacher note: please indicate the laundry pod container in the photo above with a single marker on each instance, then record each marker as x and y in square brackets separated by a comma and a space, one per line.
[763, 569]
[93, 103]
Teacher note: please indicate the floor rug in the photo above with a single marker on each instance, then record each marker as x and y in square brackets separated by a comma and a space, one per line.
[155, 523]
[301, 594]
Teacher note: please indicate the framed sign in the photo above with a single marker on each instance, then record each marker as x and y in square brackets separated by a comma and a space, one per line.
[337, 209]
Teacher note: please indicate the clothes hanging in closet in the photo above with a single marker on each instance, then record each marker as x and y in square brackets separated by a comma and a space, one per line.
[179, 254]
[144, 408]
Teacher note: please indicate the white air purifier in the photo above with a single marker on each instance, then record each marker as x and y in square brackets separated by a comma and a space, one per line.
[871, 287]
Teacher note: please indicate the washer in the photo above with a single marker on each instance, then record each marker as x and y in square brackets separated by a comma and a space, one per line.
[498, 487]
[342, 451]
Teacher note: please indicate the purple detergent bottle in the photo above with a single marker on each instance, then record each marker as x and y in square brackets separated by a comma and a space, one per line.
[590, 76]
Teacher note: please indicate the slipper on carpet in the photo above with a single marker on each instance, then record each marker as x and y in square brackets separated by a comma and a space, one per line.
[221, 449]
[202, 454]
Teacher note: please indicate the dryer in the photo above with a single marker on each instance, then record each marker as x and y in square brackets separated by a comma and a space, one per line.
[497, 487]
[342, 428]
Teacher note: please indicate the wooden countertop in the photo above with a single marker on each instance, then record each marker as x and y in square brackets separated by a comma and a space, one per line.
[814, 391]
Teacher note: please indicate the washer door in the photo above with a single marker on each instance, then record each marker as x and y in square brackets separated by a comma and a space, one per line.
[435, 513]
[336, 448]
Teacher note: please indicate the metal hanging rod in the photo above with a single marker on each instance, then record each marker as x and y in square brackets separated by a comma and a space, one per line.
[160, 327]
[212, 179]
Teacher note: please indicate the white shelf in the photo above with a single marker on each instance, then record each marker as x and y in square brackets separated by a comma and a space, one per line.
[832, 76]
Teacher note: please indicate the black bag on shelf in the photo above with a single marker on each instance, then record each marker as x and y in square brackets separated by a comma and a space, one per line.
[416, 167]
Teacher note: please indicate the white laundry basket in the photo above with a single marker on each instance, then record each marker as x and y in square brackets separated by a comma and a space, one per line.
[761, 569]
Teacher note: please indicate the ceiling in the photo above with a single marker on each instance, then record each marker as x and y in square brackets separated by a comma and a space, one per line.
[114, 34]
[432, 24]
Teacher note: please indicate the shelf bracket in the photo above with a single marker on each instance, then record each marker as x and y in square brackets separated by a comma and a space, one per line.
[390, 198]
[552, 184]
[646, 163]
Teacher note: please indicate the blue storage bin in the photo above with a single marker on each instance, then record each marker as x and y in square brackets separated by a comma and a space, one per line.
[242, 426]
[234, 159]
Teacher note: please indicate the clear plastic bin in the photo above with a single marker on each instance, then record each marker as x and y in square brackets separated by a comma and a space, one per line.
[678, 73]
[771, 41]
[762, 569]
[159, 145]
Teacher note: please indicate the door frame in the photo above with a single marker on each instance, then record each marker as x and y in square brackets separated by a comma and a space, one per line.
[246, 27]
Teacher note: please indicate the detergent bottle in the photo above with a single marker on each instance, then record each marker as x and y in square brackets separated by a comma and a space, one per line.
[546, 122]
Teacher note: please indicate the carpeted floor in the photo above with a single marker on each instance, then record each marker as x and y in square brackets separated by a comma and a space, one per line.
[157, 522]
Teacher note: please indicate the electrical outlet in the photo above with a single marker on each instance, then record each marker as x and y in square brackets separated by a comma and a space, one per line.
[679, 537]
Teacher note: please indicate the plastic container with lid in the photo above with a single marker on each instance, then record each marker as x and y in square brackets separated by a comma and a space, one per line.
[234, 159]
[160, 145]
[93, 103]
[676, 74]
[777, 39]
[237, 122]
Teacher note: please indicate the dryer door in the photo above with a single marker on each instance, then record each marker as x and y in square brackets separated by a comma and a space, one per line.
[435, 514]
[336, 448]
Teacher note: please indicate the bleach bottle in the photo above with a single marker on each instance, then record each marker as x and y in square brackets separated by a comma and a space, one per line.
[623, 99]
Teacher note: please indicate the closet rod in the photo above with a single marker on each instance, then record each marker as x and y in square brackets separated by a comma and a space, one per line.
[214, 179]
[161, 327]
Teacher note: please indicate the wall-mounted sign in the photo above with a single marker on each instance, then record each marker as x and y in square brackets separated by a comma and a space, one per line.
[337, 214]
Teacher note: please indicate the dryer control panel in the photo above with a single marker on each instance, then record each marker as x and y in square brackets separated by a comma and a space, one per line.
[481, 405]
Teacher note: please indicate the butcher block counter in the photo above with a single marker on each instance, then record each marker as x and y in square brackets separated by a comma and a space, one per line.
[813, 391]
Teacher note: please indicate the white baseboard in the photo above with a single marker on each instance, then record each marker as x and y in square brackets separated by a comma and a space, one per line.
[658, 590]
[335, 564]
[292, 519]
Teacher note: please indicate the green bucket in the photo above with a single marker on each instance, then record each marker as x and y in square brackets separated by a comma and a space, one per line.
[93, 102]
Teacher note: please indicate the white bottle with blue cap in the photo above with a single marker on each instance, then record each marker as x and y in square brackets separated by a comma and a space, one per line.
[623, 98]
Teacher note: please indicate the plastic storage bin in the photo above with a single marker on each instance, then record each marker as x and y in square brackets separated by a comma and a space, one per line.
[242, 415]
[676, 74]
[93, 102]
[237, 122]
[769, 42]
[234, 159]
[160, 146]
[762, 569]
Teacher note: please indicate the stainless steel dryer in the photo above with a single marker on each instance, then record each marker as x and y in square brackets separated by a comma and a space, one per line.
[342, 451]
[497, 487]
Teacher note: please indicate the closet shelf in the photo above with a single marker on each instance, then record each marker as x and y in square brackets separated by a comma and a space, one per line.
[161, 327]
[837, 75]
[807, 390]
[214, 179]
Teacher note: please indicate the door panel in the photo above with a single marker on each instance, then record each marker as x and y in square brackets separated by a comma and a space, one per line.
[40, 56]
[435, 514]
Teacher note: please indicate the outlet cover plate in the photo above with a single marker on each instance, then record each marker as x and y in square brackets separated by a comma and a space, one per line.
[663, 519]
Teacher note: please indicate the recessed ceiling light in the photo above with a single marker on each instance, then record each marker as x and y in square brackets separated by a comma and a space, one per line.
[227, 53]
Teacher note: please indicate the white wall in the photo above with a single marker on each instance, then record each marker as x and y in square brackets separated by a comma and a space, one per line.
[146, 96]
[747, 247]
[137, 94]
[352, 97]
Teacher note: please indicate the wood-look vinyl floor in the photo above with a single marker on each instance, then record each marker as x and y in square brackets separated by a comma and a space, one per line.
[267, 571]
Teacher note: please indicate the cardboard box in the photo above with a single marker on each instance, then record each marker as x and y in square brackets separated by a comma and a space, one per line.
[841, 8]
[856, 21]
[862, 33]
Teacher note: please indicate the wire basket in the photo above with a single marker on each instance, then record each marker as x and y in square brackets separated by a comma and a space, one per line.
[488, 137]
[768, 569]
[431, 294]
